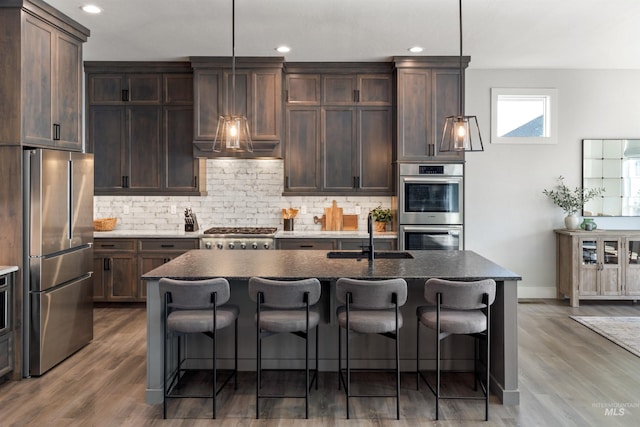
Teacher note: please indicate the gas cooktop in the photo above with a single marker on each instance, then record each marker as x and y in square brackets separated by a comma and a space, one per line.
[241, 230]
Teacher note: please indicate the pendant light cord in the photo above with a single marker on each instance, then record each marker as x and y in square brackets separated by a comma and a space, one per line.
[233, 57]
[460, 90]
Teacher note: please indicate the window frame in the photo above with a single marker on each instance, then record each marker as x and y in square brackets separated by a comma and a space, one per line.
[551, 115]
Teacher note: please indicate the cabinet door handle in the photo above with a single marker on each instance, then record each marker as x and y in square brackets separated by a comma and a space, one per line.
[357, 182]
[195, 181]
[107, 264]
[56, 131]
[125, 95]
[356, 95]
[288, 182]
[126, 181]
[286, 95]
[354, 182]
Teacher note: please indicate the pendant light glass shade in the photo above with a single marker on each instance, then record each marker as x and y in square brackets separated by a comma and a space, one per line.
[232, 133]
[461, 133]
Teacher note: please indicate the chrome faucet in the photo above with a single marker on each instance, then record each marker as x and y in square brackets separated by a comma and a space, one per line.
[370, 230]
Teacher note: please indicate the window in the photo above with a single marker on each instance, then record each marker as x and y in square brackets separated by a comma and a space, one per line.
[524, 116]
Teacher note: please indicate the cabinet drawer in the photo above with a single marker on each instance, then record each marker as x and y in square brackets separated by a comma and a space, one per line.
[6, 353]
[120, 245]
[317, 244]
[165, 245]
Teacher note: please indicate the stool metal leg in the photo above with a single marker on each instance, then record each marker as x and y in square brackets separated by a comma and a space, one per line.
[418, 354]
[339, 358]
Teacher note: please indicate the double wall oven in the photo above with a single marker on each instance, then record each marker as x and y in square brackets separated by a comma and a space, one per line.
[431, 206]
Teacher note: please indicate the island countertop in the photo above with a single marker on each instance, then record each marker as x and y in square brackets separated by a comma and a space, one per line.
[294, 264]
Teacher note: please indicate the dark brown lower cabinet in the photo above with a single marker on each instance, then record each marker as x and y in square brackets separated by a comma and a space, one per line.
[337, 243]
[119, 263]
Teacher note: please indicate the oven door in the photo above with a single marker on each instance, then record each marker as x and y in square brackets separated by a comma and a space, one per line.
[431, 200]
[431, 237]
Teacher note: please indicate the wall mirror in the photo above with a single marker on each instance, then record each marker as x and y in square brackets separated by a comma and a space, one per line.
[612, 164]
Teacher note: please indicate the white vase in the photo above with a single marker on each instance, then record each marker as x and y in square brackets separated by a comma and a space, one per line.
[572, 222]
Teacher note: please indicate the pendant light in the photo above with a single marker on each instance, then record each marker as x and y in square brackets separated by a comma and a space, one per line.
[232, 133]
[461, 133]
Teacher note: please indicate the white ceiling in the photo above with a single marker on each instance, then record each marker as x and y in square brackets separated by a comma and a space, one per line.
[497, 33]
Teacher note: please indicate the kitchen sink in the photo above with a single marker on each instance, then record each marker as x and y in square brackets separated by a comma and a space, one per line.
[363, 255]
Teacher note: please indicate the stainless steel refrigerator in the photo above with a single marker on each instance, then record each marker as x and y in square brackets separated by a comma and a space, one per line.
[58, 287]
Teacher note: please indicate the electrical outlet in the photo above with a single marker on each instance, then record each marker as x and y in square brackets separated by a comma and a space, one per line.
[303, 210]
[125, 209]
[173, 209]
[358, 210]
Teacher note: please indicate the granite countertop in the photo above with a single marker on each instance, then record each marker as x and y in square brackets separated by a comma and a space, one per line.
[317, 234]
[136, 234]
[296, 264]
[6, 269]
[309, 234]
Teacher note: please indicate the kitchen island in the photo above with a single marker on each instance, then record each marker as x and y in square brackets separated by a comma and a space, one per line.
[239, 266]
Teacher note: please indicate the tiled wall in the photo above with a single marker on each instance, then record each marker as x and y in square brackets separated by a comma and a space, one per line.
[245, 193]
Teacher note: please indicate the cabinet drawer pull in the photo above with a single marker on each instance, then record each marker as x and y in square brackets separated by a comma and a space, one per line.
[306, 246]
[125, 95]
[105, 245]
[167, 246]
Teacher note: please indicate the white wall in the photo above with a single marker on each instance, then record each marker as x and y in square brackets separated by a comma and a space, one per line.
[508, 219]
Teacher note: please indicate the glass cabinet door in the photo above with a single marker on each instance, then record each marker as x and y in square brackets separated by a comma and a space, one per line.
[632, 270]
[589, 252]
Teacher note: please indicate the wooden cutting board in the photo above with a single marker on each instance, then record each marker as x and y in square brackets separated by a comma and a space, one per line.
[349, 222]
[333, 217]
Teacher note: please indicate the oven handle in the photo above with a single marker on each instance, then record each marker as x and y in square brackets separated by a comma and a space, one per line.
[425, 180]
[419, 229]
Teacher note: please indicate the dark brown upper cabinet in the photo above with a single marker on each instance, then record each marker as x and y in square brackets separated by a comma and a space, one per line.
[40, 76]
[125, 89]
[142, 136]
[339, 129]
[428, 90]
[258, 96]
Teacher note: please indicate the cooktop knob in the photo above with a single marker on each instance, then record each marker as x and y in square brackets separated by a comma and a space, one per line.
[208, 245]
[231, 245]
[266, 246]
[254, 245]
[243, 245]
[219, 245]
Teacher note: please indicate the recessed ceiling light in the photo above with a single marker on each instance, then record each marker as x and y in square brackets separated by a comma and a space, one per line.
[91, 8]
[283, 49]
[415, 49]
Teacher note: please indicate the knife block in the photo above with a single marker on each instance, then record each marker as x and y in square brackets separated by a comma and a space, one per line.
[192, 226]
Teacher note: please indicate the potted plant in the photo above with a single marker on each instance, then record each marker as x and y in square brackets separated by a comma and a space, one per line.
[381, 217]
[571, 201]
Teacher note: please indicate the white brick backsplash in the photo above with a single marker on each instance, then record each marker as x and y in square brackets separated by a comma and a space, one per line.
[240, 193]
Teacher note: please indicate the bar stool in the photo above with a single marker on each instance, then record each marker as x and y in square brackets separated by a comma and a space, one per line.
[194, 307]
[284, 306]
[458, 308]
[370, 307]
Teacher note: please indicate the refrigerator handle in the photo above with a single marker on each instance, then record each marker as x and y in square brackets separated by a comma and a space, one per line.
[70, 200]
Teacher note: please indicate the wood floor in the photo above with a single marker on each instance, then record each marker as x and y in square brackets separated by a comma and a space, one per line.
[569, 376]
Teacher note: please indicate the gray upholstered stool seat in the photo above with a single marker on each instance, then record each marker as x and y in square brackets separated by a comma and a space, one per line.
[369, 307]
[453, 321]
[193, 321]
[285, 307]
[195, 307]
[457, 308]
[369, 321]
